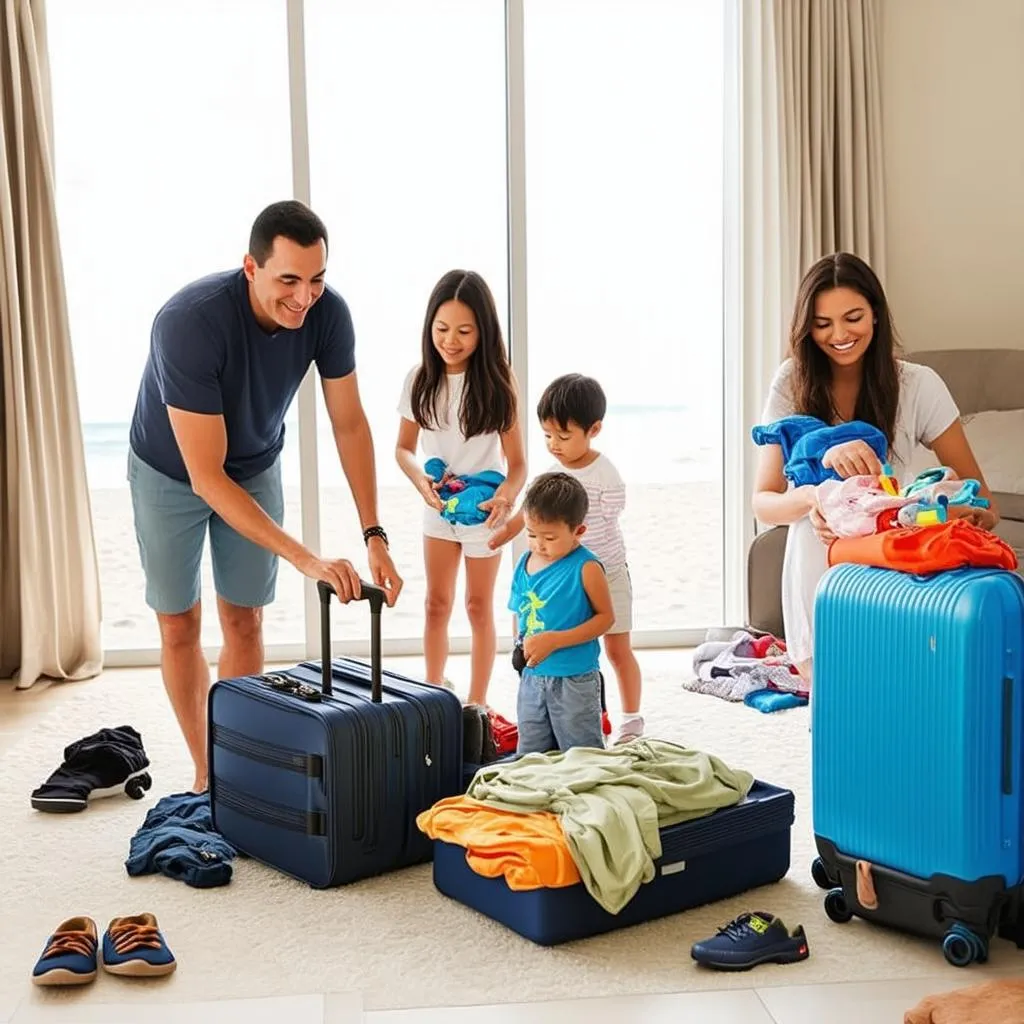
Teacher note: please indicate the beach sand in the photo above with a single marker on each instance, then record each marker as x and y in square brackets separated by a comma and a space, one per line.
[673, 537]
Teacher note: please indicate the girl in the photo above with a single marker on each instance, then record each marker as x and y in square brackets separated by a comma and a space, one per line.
[843, 367]
[461, 403]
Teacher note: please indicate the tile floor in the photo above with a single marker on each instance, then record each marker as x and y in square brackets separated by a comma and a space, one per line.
[882, 1003]
[849, 1003]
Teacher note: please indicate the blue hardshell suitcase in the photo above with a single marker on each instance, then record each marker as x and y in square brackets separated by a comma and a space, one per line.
[705, 859]
[917, 767]
[320, 771]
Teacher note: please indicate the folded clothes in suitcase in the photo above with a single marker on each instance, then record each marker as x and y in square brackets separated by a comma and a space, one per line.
[320, 771]
[916, 751]
[705, 859]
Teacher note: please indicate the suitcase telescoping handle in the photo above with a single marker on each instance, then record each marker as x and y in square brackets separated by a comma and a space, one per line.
[375, 596]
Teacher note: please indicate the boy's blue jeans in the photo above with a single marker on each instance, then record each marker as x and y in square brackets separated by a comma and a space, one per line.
[558, 712]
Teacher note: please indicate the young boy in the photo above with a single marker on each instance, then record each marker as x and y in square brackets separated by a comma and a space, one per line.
[571, 412]
[562, 605]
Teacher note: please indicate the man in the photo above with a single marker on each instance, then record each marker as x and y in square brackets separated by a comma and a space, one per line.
[227, 355]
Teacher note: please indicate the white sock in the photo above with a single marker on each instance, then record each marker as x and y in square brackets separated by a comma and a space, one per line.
[630, 716]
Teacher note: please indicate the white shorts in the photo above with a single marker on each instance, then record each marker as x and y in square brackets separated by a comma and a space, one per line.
[621, 587]
[472, 538]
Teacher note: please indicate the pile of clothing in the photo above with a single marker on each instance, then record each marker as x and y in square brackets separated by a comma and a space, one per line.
[748, 667]
[583, 815]
[876, 522]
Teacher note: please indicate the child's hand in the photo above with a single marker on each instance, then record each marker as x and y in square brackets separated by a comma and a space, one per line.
[539, 646]
[500, 537]
[498, 508]
[428, 489]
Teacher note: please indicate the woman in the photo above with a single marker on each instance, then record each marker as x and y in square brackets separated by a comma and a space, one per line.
[843, 367]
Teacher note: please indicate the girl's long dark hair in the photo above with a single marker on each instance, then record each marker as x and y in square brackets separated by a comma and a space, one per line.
[489, 396]
[878, 398]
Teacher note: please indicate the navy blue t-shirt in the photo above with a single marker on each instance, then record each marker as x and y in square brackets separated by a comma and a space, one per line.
[208, 354]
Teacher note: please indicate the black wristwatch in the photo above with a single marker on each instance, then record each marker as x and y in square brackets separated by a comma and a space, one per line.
[375, 531]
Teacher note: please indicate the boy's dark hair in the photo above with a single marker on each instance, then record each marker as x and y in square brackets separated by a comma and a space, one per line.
[557, 498]
[573, 398]
[489, 396]
[288, 219]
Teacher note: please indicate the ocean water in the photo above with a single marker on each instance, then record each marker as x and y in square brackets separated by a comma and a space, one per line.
[648, 444]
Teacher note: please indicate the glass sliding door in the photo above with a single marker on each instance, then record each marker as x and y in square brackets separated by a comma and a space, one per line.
[624, 170]
[172, 132]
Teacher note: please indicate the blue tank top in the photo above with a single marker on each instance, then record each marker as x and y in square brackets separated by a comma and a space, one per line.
[554, 599]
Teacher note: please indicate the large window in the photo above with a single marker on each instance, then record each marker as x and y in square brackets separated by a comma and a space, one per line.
[174, 126]
[407, 164]
[171, 127]
[624, 233]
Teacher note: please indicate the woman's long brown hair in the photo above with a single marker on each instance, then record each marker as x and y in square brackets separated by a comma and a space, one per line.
[879, 395]
[489, 396]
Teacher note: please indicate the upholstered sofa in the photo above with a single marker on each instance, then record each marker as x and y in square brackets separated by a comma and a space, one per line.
[988, 386]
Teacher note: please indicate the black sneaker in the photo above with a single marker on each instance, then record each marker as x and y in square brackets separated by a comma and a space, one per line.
[107, 762]
[752, 939]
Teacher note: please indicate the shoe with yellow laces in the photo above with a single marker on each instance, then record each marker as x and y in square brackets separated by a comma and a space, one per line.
[135, 947]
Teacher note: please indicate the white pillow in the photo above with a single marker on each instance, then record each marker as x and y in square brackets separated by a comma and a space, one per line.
[994, 437]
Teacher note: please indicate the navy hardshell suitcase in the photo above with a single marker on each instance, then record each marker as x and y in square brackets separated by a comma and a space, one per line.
[702, 860]
[320, 771]
[917, 766]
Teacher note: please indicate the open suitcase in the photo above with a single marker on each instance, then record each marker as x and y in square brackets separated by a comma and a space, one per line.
[917, 754]
[320, 771]
[724, 853]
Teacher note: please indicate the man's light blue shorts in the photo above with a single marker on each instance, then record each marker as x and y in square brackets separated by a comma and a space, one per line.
[170, 526]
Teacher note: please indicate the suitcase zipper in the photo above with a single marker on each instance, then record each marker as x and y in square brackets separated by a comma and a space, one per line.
[420, 708]
[268, 753]
[278, 699]
[310, 822]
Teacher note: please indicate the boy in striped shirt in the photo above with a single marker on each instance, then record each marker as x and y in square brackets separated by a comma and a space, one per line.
[571, 412]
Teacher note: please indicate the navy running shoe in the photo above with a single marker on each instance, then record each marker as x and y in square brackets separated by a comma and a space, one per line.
[752, 939]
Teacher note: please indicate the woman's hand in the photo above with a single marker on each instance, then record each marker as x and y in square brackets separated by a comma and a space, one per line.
[820, 526]
[428, 489]
[814, 513]
[852, 458]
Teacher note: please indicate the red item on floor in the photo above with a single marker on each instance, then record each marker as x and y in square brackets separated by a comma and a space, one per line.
[506, 733]
[926, 549]
[768, 646]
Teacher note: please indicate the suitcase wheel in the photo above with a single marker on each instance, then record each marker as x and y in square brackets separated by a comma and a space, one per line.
[961, 946]
[836, 907]
[820, 874]
[137, 785]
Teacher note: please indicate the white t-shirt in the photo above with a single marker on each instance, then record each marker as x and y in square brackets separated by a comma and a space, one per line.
[463, 457]
[607, 494]
[926, 409]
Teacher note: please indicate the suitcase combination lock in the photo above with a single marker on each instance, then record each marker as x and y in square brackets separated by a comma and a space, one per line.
[285, 684]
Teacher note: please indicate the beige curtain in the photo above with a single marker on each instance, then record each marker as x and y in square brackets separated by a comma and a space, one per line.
[827, 83]
[810, 175]
[49, 581]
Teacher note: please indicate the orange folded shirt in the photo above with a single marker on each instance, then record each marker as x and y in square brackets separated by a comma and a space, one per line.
[926, 549]
[529, 850]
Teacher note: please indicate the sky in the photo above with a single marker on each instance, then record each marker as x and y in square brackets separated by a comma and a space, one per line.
[172, 131]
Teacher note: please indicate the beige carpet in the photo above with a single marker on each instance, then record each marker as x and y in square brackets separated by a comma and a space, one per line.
[395, 938]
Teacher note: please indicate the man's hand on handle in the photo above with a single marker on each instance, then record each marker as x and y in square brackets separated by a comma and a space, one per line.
[341, 575]
[338, 573]
[383, 571]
